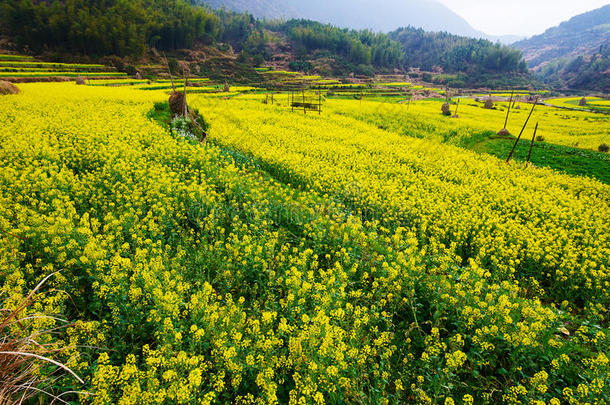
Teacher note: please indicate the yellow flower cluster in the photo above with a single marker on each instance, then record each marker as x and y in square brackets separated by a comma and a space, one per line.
[297, 259]
[579, 129]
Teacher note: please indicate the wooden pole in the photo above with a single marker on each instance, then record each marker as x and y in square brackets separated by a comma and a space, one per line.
[521, 133]
[508, 111]
[292, 103]
[457, 107]
[529, 154]
[186, 81]
[304, 109]
[319, 102]
[170, 73]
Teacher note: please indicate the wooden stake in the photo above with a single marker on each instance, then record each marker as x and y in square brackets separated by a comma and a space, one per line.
[508, 111]
[529, 154]
[304, 109]
[186, 80]
[457, 107]
[319, 102]
[522, 129]
[170, 73]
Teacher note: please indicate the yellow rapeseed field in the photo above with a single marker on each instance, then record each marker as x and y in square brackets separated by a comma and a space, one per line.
[295, 258]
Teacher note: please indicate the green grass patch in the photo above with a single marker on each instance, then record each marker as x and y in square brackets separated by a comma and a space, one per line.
[565, 159]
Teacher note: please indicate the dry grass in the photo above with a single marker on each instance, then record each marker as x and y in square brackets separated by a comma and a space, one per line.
[7, 88]
[22, 356]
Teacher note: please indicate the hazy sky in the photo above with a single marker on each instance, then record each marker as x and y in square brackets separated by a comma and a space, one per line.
[519, 17]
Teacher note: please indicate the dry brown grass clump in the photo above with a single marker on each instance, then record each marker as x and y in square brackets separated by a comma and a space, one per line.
[489, 104]
[7, 88]
[23, 358]
[80, 80]
[583, 102]
[177, 103]
[446, 109]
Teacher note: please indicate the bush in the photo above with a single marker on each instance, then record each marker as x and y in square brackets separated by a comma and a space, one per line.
[300, 66]
[131, 70]
[604, 148]
[540, 138]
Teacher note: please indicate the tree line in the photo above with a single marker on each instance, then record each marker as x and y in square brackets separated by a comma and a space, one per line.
[99, 28]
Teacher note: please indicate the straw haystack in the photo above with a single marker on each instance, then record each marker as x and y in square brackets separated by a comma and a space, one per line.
[7, 88]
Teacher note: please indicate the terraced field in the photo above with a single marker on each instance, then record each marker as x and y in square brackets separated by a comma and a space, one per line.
[20, 68]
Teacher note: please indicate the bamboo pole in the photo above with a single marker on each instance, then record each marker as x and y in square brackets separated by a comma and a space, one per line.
[529, 154]
[521, 133]
[508, 111]
[319, 102]
[457, 107]
[170, 72]
[186, 80]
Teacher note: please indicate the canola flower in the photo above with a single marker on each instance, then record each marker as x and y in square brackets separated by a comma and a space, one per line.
[579, 129]
[256, 270]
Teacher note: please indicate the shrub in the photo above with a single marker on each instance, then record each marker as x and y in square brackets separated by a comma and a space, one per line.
[604, 148]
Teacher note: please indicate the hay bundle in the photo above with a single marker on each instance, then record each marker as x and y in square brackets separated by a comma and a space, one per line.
[177, 103]
[446, 109]
[138, 76]
[583, 102]
[489, 104]
[504, 132]
[80, 81]
[7, 88]
[227, 88]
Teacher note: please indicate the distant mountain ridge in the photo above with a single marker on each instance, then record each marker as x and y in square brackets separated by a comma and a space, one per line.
[383, 16]
[583, 35]
[575, 54]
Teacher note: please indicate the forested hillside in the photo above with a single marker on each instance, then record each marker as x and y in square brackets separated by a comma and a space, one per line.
[106, 27]
[98, 28]
[475, 59]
